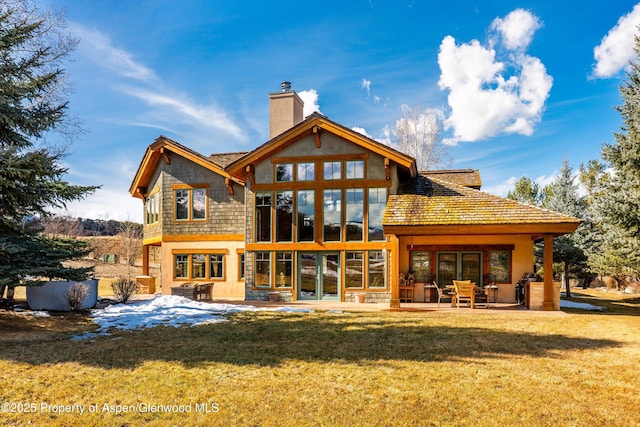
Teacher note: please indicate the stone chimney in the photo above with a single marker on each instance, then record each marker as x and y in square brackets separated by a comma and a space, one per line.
[285, 110]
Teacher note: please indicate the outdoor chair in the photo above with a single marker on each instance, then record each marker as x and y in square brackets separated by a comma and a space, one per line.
[465, 292]
[441, 294]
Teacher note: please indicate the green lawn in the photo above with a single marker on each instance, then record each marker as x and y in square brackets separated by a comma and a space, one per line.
[390, 368]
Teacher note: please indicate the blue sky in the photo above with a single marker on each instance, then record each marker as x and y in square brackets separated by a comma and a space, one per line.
[519, 85]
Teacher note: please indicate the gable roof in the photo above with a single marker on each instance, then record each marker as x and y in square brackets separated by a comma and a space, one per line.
[466, 177]
[225, 159]
[160, 149]
[430, 205]
[316, 123]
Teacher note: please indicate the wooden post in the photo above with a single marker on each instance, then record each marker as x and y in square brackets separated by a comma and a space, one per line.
[145, 260]
[394, 244]
[547, 300]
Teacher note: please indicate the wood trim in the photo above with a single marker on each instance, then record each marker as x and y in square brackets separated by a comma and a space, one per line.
[312, 159]
[336, 184]
[199, 251]
[153, 241]
[316, 247]
[465, 247]
[203, 238]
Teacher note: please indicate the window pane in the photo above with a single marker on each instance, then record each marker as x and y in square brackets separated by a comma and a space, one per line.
[182, 266]
[332, 215]
[241, 268]
[306, 171]
[216, 266]
[332, 170]
[376, 269]
[284, 172]
[377, 203]
[284, 216]
[354, 270]
[355, 214]
[263, 217]
[306, 215]
[182, 204]
[263, 270]
[420, 265]
[198, 266]
[355, 169]
[499, 265]
[284, 266]
[199, 203]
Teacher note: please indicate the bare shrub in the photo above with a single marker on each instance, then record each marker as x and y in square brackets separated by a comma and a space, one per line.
[76, 295]
[611, 283]
[124, 288]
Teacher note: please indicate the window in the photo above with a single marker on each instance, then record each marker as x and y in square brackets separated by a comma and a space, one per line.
[216, 266]
[284, 172]
[377, 203]
[376, 269]
[306, 171]
[500, 265]
[355, 169]
[355, 214]
[306, 215]
[420, 265]
[263, 270]
[198, 266]
[241, 266]
[284, 216]
[199, 209]
[190, 204]
[182, 204]
[331, 215]
[152, 209]
[284, 266]
[263, 217]
[354, 270]
[332, 170]
[182, 266]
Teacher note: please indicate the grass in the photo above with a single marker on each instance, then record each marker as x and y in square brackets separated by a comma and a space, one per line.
[389, 368]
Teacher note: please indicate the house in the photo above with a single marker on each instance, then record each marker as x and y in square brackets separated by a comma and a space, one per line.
[321, 212]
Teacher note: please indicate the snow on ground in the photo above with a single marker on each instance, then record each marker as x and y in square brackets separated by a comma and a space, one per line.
[581, 305]
[167, 310]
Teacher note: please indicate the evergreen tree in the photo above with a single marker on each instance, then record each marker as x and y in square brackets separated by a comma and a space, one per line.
[33, 104]
[617, 207]
[568, 250]
[525, 191]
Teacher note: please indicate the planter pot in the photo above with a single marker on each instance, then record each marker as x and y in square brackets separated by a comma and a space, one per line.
[360, 298]
[274, 296]
[53, 295]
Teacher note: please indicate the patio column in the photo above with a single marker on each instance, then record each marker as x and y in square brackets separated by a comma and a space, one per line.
[394, 248]
[145, 260]
[547, 295]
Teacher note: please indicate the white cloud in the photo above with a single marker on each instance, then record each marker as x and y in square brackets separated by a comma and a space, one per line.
[97, 46]
[489, 96]
[366, 84]
[616, 48]
[204, 115]
[516, 29]
[363, 131]
[310, 99]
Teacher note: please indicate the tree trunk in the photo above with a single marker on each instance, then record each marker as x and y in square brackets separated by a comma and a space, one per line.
[567, 286]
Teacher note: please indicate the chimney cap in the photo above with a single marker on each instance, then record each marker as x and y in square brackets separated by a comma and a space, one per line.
[286, 86]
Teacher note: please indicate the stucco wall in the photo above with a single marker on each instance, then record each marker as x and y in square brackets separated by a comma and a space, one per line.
[229, 287]
[522, 258]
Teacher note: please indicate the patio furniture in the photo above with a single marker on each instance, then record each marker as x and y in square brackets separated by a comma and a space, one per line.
[194, 291]
[406, 287]
[441, 294]
[464, 291]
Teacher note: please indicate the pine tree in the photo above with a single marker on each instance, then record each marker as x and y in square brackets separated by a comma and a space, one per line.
[33, 104]
[617, 207]
[525, 191]
[562, 197]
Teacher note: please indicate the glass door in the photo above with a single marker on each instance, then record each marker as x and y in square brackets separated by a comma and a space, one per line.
[459, 266]
[319, 276]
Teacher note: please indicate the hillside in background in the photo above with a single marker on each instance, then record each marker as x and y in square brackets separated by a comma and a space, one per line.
[78, 227]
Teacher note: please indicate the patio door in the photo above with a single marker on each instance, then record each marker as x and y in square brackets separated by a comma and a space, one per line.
[459, 266]
[318, 276]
